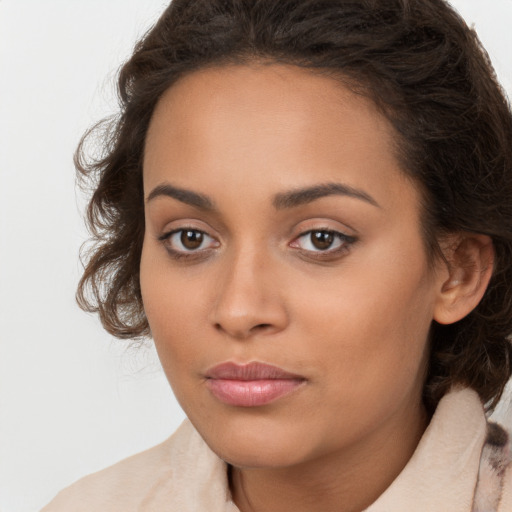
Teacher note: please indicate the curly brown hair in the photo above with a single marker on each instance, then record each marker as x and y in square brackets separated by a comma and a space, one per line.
[421, 65]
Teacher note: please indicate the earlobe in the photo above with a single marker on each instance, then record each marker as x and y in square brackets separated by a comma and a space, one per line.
[469, 263]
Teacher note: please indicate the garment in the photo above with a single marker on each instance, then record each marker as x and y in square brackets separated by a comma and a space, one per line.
[183, 474]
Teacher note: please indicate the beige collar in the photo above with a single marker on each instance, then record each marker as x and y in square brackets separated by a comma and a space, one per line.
[441, 475]
[183, 474]
[443, 471]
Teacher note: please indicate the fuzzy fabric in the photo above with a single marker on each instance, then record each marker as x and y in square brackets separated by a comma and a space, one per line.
[496, 459]
[462, 464]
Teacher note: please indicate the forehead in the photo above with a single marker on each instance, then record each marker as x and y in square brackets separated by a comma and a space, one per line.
[276, 123]
[277, 97]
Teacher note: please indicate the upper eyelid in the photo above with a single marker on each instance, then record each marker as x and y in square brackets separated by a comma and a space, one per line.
[328, 230]
[345, 233]
[187, 225]
[178, 253]
[168, 233]
[171, 232]
[341, 234]
[326, 224]
[221, 230]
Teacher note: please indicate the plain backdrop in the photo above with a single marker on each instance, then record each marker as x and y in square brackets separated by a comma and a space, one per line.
[72, 399]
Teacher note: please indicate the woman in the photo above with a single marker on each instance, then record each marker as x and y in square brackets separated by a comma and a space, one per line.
[306, 204]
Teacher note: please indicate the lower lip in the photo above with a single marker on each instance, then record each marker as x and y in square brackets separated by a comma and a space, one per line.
[252, 393]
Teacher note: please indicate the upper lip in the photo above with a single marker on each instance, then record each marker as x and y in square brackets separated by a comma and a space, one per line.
[249, 371]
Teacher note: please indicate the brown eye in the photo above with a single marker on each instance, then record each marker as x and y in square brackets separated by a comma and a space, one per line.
[322, 240]
[188, 242]
[191, 239]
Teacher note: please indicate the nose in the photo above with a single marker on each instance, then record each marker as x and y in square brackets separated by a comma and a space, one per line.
[248, 300]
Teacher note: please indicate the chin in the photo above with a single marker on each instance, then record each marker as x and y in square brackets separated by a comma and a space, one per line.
[260, 455]
[256, 442]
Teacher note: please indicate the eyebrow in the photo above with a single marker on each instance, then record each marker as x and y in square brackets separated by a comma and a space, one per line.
[309, 194]
[281, 201]
[183, 195]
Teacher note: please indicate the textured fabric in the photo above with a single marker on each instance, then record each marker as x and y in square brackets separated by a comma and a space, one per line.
[183, 474]
[495, 459]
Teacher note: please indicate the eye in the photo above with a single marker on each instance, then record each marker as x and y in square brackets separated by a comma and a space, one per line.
[323, 241]
[181, 242]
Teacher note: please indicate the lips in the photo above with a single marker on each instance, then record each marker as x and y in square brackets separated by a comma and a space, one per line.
[251, 385]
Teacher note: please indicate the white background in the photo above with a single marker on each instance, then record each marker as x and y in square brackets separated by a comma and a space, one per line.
[72, 399]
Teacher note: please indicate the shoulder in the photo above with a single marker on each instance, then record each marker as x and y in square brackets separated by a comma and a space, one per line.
[134, 482]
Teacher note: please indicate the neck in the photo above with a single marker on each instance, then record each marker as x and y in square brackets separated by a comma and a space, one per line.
[347, 481]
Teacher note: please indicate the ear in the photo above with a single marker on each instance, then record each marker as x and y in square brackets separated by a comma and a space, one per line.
[465, 276]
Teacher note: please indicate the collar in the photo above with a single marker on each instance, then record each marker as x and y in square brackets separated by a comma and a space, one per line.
[441, 474]
[443, 471]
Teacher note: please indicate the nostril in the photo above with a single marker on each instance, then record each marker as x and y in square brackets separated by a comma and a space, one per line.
[255, 328]
[260, 327]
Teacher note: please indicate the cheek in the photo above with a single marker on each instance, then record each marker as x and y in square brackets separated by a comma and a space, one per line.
[371, 324]
[172, 306]
[172, 309]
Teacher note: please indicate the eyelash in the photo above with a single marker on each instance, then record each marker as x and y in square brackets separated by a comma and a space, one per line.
[344, 240]
[182, 254]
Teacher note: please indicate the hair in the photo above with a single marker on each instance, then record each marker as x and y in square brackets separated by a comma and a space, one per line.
[426, 71]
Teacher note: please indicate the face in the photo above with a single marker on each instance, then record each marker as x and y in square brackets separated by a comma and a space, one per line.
[283, 271]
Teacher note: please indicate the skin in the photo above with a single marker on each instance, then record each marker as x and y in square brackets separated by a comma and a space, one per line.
[352, 319]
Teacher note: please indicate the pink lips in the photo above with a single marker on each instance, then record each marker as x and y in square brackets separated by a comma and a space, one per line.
[250, 385]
